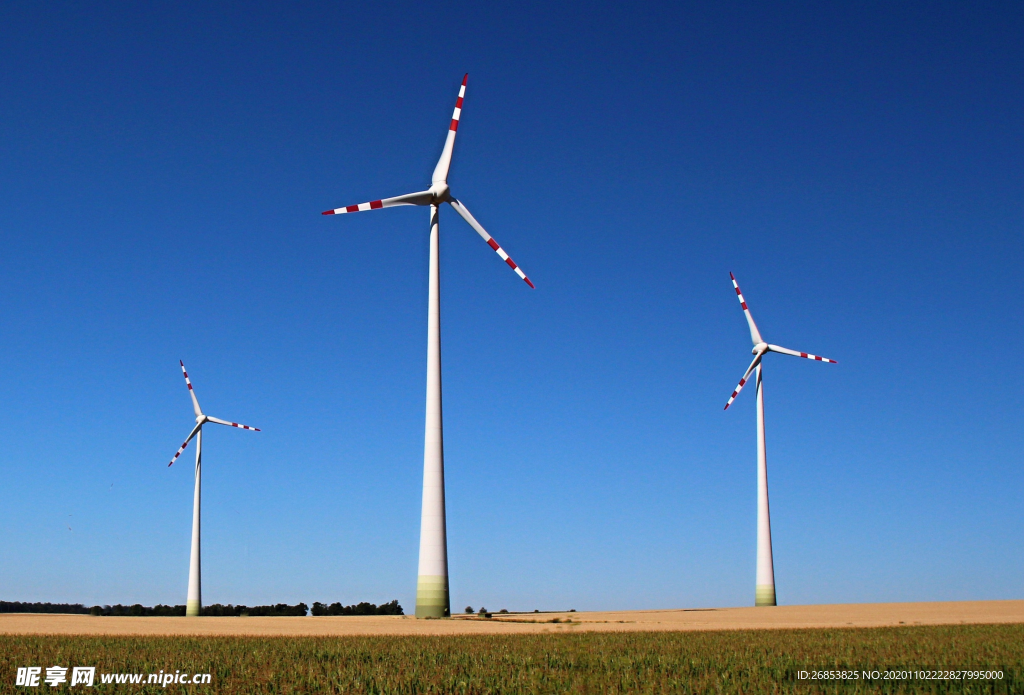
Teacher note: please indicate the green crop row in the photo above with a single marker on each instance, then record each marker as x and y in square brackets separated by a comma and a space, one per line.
[762, 661]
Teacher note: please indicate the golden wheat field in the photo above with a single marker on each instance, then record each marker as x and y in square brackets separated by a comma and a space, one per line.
[820, 616]
[951, 647]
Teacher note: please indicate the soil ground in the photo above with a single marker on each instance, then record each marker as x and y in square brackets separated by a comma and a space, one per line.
[839, 615]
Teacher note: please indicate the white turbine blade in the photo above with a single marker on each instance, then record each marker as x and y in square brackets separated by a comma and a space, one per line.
[755, 335]
[421, 198]
[445, 162]
[191, 392]
[746, 375]
[232, 424]
[187, 440]
[805, 355]
[461, 209]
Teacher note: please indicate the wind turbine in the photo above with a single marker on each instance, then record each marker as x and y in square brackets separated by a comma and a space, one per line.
[432, 599]
[764, 587]
[195, 592]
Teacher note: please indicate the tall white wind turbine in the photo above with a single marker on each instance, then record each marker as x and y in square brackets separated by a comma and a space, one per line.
[764, 587]
[432, 598]
[195, 592]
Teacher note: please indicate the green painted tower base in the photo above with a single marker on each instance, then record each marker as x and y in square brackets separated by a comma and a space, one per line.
[764, 595]
[432, 597]
[193, 608]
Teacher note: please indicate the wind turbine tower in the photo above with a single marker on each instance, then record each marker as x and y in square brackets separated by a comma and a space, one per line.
[194, 604]
[432, 598]
[764, 587]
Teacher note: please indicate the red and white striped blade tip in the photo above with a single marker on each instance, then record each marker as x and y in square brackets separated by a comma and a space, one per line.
[454, 125]
[501, 254]
[739, 293]
[177, 454]
[805, 355]
[735, 393]
[239, 425]
[746, 377]
[362, 207]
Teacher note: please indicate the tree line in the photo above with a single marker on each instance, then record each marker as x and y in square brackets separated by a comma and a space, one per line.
[362, 608]
[277, 610]
[216, 609]
[19, 607]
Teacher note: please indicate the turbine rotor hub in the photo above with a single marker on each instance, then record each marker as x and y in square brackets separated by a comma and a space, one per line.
[760, 347]
[440, 192]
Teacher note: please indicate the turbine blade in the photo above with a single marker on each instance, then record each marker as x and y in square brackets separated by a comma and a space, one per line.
[755, 335]
[445, 162]
[187, 440]
[461, 209]
[805, 355]
[743, 381]
[232, 424]
[191, 392]
[421, 198]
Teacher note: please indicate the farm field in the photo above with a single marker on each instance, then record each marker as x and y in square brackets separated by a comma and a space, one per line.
[723, 661]
[820, 616]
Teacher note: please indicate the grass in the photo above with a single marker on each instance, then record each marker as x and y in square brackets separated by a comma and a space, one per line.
[761, 661]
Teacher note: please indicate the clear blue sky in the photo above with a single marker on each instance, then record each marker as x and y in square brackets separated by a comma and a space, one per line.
[162, 173]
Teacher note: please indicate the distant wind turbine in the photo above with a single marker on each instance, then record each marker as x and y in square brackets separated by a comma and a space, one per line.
[764, 587]
[194, 604]
[432, 598]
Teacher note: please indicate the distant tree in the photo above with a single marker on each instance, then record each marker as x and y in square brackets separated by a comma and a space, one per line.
[278, 610]
[361, 608]
[503, 610]
[163, 610]
[364, 608]
[219, 611]
[469, 609]
[391, 608]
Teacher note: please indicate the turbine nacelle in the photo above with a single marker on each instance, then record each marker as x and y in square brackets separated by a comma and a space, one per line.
[439, 193]
[760, 347]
